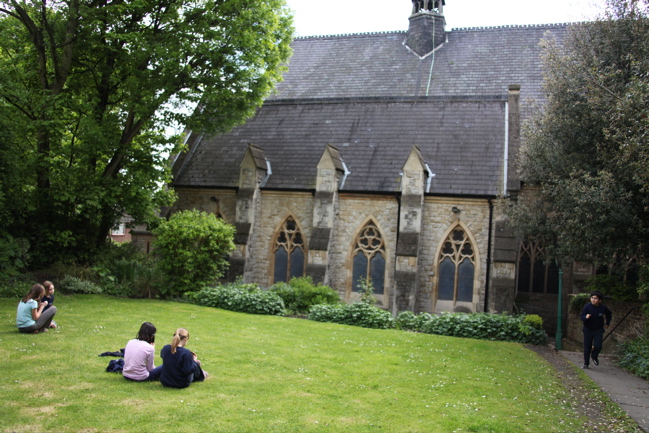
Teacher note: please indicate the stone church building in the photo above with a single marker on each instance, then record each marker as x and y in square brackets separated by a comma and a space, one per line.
[382, 156]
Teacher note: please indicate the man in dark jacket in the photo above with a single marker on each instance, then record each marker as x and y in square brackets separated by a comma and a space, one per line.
[596, 318]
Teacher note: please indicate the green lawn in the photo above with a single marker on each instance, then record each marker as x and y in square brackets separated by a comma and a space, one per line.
[269, 374]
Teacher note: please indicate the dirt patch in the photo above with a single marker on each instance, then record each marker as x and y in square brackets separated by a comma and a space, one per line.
[604, 416]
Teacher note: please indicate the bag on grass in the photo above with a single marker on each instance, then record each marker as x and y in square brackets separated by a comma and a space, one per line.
[115, 366]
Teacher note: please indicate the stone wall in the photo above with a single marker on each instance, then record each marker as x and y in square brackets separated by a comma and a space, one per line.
[541, 304]
[275, 208]
[438, 220]
[216, 201]
[354, 212]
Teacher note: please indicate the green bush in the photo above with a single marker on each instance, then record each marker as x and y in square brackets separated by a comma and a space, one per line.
[244, 298]
[408, 321]
[578, 302]
[612, 287]
[485, 326]
[635, 357]
[300, 294]
[533, 320]
[70, 285]
[14, 287]
[127, 272]
[327, 313]
[14, 256]
[192, 249]
[356, 314]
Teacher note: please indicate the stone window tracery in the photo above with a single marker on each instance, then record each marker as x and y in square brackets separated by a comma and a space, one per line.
[289, 252]
[534, 275]
[456, 268]
[368, 259]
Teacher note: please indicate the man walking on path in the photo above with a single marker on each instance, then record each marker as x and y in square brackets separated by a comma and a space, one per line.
[596, 318]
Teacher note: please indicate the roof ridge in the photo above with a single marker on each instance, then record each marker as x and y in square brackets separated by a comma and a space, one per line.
[294, 101]
[517, 26]
[475, 28]
[336, 35]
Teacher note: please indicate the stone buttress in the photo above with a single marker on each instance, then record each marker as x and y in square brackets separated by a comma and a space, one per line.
[330, 170]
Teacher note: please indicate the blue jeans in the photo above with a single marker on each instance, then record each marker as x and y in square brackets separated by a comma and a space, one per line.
[592, 343]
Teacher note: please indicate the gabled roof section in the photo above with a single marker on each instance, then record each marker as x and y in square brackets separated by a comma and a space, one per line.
[461, 140]
[474, 61]
[416, 153]
[257, 155]
[372, 99]
[335, 157]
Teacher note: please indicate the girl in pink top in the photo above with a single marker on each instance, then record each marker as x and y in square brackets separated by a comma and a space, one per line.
[139, 354]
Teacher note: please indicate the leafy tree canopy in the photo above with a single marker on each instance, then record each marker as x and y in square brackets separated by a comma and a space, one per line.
[586, 155]
[88, 89]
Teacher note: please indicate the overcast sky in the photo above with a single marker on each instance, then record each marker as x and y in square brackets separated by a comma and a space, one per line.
[332, 17]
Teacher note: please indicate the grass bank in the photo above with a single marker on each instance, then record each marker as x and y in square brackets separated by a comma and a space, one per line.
[269, 374]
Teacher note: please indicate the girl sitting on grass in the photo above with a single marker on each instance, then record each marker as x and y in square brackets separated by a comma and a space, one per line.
[49, 298]
[139, 354]
[30, 317]
[180, 367]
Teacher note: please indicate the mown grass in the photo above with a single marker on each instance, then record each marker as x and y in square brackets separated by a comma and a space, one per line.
[269, 374]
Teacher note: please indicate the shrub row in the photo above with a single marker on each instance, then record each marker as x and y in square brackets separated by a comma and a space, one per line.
[357, 314]
[501, 327]
[635, 357]
[526, 329]
[71, 285]
[244, 298]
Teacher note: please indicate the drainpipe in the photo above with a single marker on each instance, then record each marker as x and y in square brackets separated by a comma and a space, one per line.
[559, 333]
[394, 282]
[342, 182]
[431, 175]
[489, 238]
[268, 173]
[506, 155]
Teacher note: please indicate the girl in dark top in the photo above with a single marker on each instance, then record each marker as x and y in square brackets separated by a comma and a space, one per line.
[596, 318]
[179, 365]
[49, 298]
[31, 316]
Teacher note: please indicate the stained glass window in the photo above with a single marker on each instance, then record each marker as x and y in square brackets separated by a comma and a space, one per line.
[456, 268]
[290, 256]
[535, 272]
[369, 259]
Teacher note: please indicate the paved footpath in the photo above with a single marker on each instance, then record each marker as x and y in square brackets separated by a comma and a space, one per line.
[630, 392]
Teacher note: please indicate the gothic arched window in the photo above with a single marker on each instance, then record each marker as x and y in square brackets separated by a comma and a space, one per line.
[534, 275]
[369, 259]
[289, 252]
[456, 268]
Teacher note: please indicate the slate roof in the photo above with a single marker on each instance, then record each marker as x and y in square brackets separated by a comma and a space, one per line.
[366, 95]
[474, 61]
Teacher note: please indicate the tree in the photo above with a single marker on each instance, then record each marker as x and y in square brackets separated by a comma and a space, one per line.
[586, 158]
[192, 248]
[88, 89]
